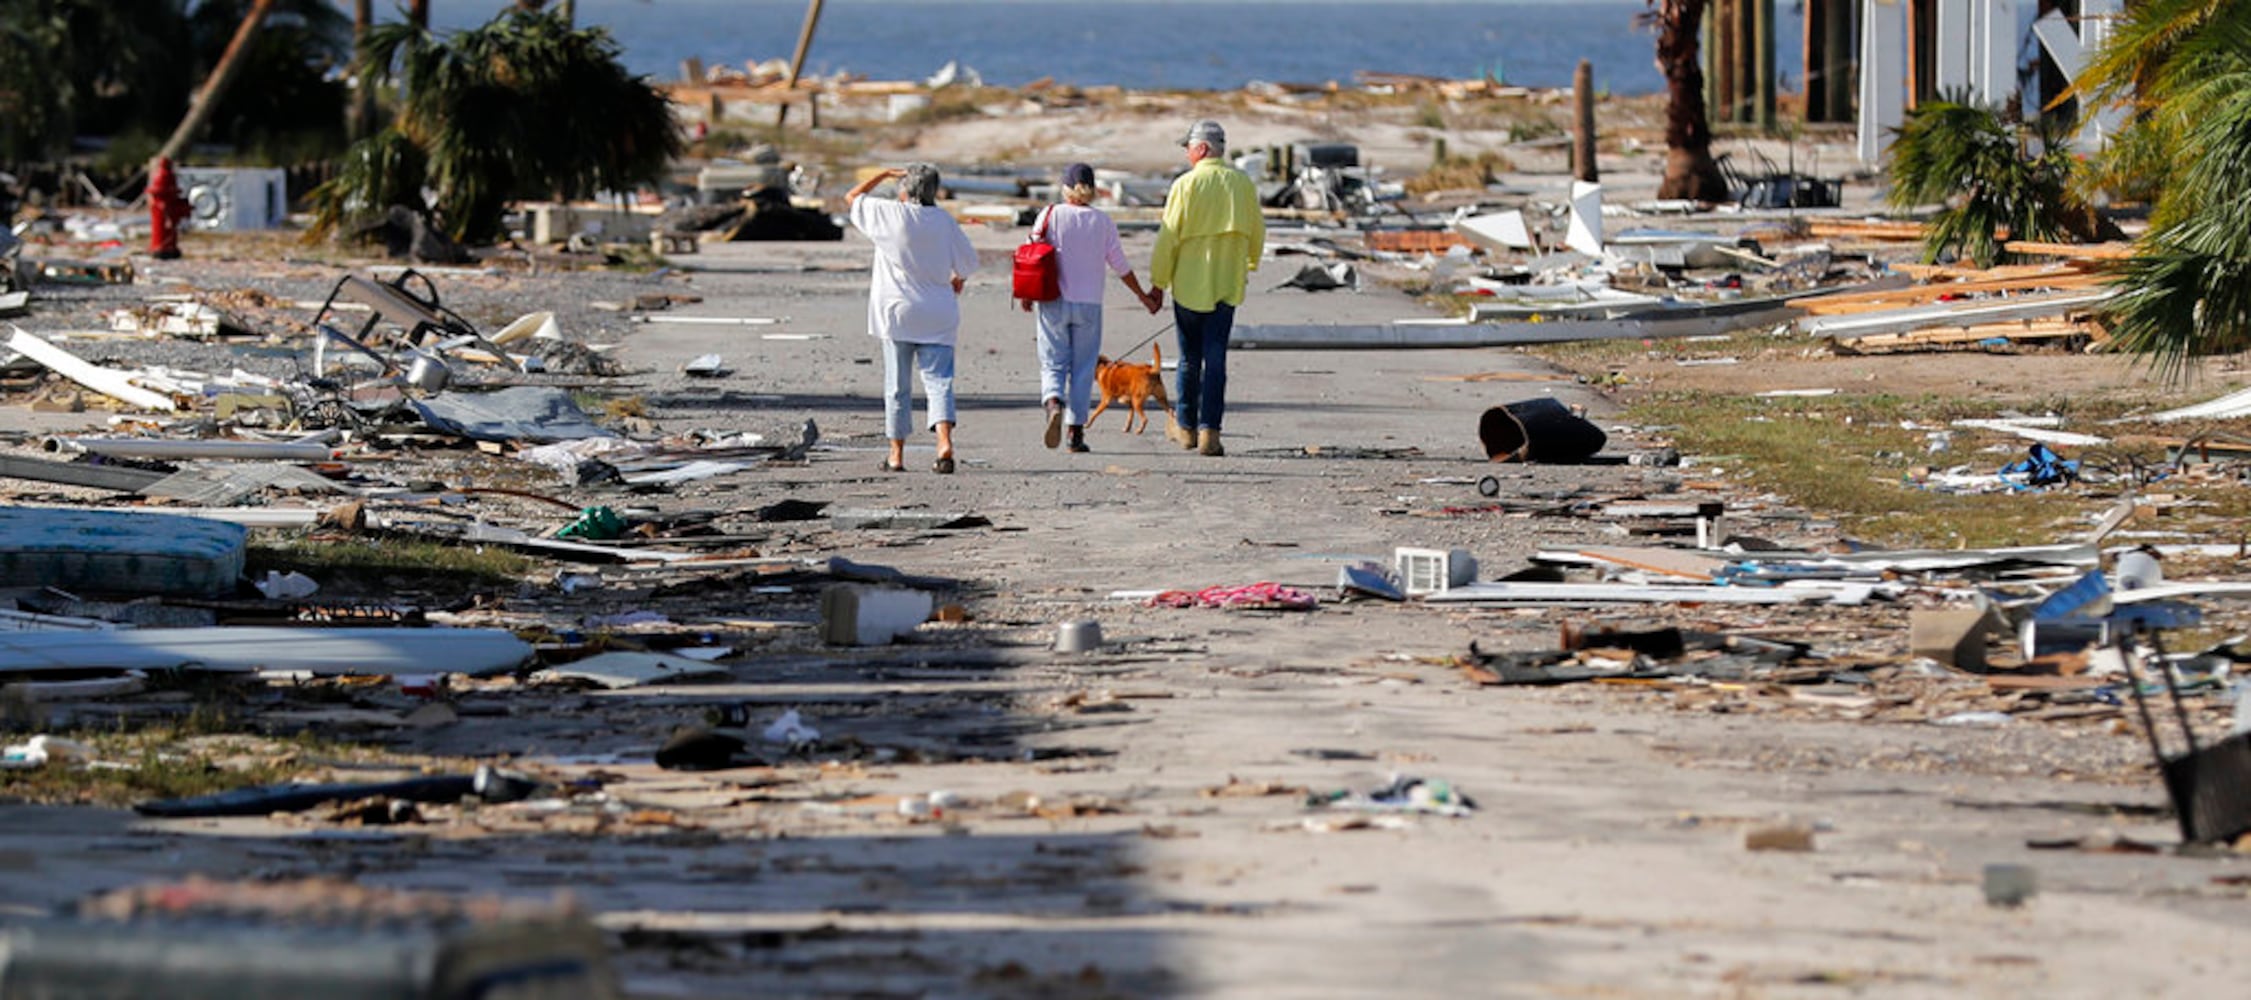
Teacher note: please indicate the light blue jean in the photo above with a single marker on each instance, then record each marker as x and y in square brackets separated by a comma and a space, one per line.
[1202, 376]
[1070, 341]
[935, 363]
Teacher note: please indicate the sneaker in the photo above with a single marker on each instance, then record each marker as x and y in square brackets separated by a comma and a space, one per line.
[1054, 434]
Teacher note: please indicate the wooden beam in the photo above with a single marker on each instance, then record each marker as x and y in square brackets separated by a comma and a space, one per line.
[2077, 251]
[1859, 302]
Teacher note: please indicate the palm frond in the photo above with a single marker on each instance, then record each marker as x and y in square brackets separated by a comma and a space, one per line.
[523, 106]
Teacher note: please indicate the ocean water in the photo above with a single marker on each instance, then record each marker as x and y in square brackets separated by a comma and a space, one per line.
[1149, 44]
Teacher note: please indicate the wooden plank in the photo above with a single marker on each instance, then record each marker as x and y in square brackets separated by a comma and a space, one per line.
[1945, 315]
[1670, 562]
[1955, 336]
[1864, 229]
[2078, 251]
[1959, 272]
[1856, 302]
[1415, 240]
[2042, 682]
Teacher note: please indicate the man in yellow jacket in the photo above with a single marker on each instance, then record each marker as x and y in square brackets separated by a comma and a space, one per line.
[1209, 242]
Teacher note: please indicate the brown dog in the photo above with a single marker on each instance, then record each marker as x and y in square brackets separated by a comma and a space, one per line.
[1133, 384]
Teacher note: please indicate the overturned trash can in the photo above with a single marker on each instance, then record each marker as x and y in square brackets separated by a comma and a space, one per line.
[1538, 430]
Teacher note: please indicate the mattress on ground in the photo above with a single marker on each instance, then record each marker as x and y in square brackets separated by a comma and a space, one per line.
[119, 551]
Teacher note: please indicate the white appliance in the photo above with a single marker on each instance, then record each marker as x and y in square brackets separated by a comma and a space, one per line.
[225, 199]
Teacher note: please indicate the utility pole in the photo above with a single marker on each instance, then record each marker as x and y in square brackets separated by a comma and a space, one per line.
[206, 100]
[797, 60]
[1582, 144]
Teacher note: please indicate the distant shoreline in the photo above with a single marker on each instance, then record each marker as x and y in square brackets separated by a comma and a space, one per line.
[1151, 45]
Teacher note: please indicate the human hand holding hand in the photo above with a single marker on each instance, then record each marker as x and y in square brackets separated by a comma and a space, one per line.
[1154, 301]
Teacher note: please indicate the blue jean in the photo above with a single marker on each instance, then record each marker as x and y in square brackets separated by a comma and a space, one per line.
[1201, 398]
[1070, 341]
[935, 363]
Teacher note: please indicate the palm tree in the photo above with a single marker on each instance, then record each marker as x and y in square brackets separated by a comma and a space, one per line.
[522, 107]
[1690, 171]
[2185, 67]
[360, 115]
[1991, 174]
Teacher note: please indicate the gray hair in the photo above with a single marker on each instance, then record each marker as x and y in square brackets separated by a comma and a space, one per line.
[1214, 148]
[921, 183]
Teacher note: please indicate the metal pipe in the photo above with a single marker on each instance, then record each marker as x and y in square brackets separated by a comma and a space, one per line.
[277, 451]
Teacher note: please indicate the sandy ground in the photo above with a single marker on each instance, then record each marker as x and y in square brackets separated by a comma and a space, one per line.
[1607, 858]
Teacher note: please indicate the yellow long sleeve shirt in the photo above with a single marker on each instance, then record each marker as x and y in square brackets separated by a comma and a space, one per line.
[1211, 237]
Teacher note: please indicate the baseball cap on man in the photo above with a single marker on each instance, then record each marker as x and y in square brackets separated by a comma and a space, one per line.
[1205, 131]
[1078, 175]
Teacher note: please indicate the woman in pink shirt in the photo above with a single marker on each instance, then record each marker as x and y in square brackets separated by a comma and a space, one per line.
[1070, 328]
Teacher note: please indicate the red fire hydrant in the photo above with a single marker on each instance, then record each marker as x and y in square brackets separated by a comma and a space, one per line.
[167, 209]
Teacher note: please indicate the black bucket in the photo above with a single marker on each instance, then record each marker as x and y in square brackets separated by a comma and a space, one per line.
[1538, 430]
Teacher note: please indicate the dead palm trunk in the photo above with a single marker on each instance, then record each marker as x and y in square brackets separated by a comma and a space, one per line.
[1690, 171]
[206, 100]
[360, 117]
[418, 13]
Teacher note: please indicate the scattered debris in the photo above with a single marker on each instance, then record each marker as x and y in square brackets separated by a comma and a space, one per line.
[1402, 794]
[853, 615]
[1251, 596]
[1787, 837]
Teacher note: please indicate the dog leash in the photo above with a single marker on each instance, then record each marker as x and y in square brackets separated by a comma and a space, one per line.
[1128, 352]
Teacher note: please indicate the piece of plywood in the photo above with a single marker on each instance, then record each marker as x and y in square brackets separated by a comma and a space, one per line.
[2078, 251]
[1681, 563]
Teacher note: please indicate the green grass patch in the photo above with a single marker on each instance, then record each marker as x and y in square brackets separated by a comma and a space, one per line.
[1850, 457]
[181, 758]
[349, 564]
[1456, 173]
[953, 104]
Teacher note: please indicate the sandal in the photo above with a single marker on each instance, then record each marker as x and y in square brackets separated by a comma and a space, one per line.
[944, 466]
[885, 465]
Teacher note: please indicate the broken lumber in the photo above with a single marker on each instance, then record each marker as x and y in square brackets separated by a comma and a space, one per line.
[2014, 332]
[1866, 229]
[1858, 302]
[2076, 251]
[109, 382]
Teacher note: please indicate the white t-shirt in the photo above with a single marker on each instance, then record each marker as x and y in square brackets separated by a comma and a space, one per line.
[918, 250]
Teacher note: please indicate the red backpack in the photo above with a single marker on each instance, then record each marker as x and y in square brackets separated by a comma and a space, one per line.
[1038, 275]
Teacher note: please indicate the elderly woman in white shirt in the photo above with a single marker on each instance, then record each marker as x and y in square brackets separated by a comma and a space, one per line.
[922, 258]
[1070, 327]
